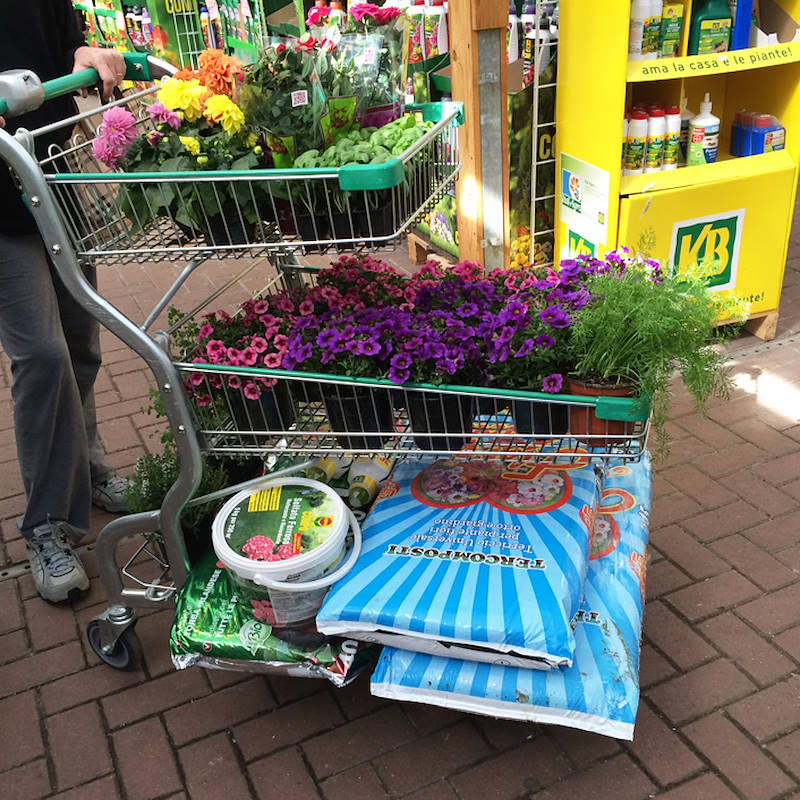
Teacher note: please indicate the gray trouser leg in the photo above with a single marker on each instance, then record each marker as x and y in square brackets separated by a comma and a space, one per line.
[53, 346]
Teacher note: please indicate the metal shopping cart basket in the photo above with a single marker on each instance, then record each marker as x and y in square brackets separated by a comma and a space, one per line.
[79, 210]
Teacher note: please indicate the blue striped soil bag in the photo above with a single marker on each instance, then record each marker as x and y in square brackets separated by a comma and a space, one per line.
[480, 559]
[600, 692]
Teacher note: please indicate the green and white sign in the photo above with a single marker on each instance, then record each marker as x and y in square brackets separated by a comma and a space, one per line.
[578, 246]
[583, 198]
[715, 238]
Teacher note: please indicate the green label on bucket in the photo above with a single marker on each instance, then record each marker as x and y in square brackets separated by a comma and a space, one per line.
[280, 522]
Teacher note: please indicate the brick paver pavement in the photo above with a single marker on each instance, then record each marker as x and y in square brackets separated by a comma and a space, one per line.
[720, 672]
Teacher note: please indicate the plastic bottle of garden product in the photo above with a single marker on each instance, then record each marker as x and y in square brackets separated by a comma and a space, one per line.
[737, 132]
[710, 29]
[528, 17]
[672, 138]
[639, 9]
[768, 135]
[656, 130]
[637, 143]
[686, 116]
[415, 15]
[147, 28]
[651, 33]
[512, 33]
[435, 29]
[741, 20]
[337, 15]
[329, 468]
[365, 476]
[703, 135]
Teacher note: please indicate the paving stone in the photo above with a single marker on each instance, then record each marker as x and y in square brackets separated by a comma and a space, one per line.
[781, 470]
[736, 757]
[28, 782]
[582, 747]
[210, 764]
[48, 625]
[283, 775]
[102, 789]
[360, 782]
[77, 745]
[10, 608]
[661, 750]
[146, 743]
[664, 577]
[757, 657]
[764, 436]
[776, 534]
[674, 637]
[427, 719]
[653, 667]
[287, 725]
[13, 646]
[503, 734]
[772, 711]
[708, 431]
[774, 612]
[712, 595]
[707, 787]
[702, 690]
[694, 558]
[436, 791]
[734, 518]
[691, 481]
[40, 668]
[787, 750]
[753, 562]
[673, 508]
[527, 768]
[434, 757]
[790, 642]
[616, 779]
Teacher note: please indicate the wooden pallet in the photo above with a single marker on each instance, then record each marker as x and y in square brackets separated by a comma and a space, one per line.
[763, 325]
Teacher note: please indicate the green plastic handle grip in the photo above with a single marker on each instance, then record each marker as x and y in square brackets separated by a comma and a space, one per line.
[137, 68]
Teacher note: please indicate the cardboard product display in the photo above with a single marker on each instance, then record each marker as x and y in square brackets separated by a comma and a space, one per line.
[477, 559]
[600, 692]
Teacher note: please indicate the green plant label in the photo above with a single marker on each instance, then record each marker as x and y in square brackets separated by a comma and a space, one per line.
[714, 239]
[339, 119]
[283, 149]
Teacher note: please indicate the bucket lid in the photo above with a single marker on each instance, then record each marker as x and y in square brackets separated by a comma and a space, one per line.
[284, 524]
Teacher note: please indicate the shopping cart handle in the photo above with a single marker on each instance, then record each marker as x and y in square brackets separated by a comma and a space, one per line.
[21, 91]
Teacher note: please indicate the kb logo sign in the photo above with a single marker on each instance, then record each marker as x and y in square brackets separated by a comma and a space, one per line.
[713, 239]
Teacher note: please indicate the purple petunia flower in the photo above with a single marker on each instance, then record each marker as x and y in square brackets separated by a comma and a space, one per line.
[398, 375]
[401, 361]
[555, 317]
[553, 383]
[524, 348]
[545, 341]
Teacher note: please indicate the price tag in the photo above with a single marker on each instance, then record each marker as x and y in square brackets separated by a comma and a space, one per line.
[299, 98]
[245, 6]
[369, 56]
[213, 9]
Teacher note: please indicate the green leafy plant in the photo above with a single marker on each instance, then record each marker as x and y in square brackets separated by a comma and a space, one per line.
[641, 325]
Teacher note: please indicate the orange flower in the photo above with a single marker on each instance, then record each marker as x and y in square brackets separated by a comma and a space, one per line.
[216, 71]
[186, 74]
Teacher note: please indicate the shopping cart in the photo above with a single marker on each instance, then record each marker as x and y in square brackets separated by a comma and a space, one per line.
[276, 217]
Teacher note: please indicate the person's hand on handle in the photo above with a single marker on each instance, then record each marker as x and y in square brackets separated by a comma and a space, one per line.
[110, 66]
[2, 122]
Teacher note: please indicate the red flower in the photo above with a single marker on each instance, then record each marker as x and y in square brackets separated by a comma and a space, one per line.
[280, 48]
[307, 43]
[383, 16]
[317, 16]
[362, 10]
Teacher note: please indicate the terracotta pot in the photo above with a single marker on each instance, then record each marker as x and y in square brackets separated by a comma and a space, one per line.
[584, 422]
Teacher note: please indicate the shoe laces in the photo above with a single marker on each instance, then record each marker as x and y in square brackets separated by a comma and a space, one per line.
[114, 485]
[54, 550]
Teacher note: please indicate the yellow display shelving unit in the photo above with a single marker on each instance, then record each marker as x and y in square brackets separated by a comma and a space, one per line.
[737, 211]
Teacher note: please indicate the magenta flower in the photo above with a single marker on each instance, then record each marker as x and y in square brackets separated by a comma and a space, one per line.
[553, 383]
[118, 126]
[251, 391]
[160, 113]
[259, 344]
[272, 360]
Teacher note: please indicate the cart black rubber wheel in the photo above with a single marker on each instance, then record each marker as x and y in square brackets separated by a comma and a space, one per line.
[127, 650]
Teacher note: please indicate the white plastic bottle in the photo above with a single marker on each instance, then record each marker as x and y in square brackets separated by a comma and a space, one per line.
[686, 116]
[651, 34]
[639, 9]
[636, 143]
[329, 468]
[436, 43]
[656, 129]
[703, 135]
[672, 137]
[365, 476]
[512, 33]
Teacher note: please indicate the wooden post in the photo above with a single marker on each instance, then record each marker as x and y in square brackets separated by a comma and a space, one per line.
[478, 67]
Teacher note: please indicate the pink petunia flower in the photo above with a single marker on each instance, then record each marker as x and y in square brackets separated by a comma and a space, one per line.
[259, 344]
[272, 360]
[251, 391]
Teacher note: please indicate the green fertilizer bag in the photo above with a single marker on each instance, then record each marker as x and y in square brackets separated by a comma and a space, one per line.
[214, 627]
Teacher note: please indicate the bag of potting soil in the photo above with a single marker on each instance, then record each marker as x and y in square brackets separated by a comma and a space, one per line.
[214, 628]
[483, 559]
[600, 692]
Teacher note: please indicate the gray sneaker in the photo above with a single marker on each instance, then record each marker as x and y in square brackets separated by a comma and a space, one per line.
[108, 495]
[57, 572]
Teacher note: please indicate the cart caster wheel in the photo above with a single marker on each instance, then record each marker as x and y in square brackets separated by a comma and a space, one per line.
[127, 649]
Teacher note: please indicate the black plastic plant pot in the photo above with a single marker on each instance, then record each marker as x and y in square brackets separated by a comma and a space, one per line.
[535, 416]
[229, 229]
[358, 410]
[344, 228]
[312, 228]
[377, 221]
[429, 412]
[273, 410]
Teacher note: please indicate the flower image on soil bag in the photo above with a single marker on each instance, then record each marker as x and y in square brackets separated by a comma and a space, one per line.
[216, 627]
[483, 559]
[600, 692]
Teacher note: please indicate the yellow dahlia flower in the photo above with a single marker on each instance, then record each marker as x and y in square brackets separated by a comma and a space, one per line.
[220, 108]
[191, 144]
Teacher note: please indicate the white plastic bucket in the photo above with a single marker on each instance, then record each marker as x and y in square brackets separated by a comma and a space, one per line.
[307, 517]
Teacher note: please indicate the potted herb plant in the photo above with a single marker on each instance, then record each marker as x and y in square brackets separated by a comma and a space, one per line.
[638, 326]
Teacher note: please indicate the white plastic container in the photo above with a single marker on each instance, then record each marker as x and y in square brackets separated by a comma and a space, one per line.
[651, 34]
[636, 143]
[686, 116]
[703, 135]
[639, 9]
[672, 137]
[294, 530]
[624, 139]
[656, 130]
[436, 42]
[329, 468]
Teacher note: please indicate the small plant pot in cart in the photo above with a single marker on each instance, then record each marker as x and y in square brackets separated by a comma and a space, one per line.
[273, 410]
[536, 416]
[584, 422]
[312, 228]
[431, 412]
[360, 410]
[290, 531]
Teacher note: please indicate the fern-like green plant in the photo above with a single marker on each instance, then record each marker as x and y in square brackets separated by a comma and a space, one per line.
[642, 325]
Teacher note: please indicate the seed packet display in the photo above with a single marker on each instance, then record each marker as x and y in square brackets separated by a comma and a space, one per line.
[477, 559]
[215, 628]
[600, 692]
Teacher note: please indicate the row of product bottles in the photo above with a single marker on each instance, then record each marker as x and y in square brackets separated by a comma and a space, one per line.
[753, 133]
[362, 476]
[656, 138]
[427, 28]
[138, 26]
[655, 29]
[715, 26]
[521, 33]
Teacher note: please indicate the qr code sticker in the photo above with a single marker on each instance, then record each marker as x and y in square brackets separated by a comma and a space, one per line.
[299, 98]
